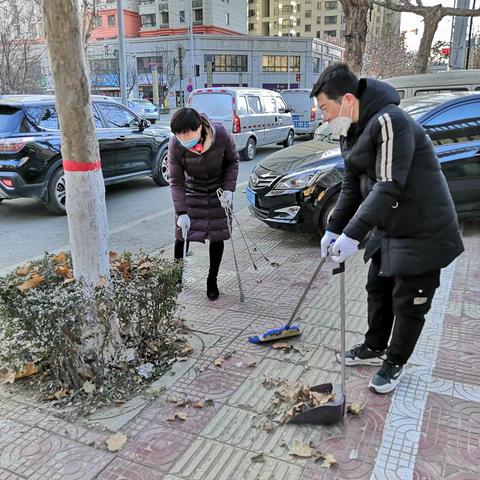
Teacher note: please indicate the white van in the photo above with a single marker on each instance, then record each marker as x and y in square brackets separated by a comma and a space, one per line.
[255, 116]
[431, 83]
[305, 112]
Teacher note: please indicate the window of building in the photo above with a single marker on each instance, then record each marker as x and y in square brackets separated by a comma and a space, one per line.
[98, 21]
[298, 22]
[331, 5]
[227, 63]
[197, 3]
[144, 63]
[287, 8]
[164, 20]
[330, 19]
[251, 26]
[299, 8]
[316, 64]
[227, 19]
[148, 20]
[308, 14]
[318, 34]
[163, 6]
[181, 15]
[319, 20]
[279, 63]
[252, 13]
[331, 33]
[111, 20]
[308, 28]
[308, 1]
[198, 16]
[319, 5]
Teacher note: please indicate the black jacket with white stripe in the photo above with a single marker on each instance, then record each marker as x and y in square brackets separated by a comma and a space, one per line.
[393, 184]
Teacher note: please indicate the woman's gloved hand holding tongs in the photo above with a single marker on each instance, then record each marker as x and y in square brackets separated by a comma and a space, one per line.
[339, 247]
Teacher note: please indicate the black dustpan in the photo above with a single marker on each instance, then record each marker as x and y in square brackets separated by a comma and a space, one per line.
[334, 410]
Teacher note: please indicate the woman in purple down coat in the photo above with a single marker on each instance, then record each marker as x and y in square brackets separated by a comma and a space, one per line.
[201, 158]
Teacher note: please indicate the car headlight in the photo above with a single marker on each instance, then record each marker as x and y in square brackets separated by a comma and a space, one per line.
[299, 180]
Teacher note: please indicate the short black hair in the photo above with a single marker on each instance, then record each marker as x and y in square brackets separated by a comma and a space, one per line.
[185, 120]
[335, 81]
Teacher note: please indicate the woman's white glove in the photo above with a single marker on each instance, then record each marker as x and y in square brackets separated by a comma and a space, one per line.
[226, 198]
[327, 239]
[183, 222]
[343, 248]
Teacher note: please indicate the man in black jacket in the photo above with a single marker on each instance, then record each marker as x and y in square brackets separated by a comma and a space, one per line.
[394, 188]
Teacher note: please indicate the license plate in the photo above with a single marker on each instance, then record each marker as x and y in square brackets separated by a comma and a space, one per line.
[295, 117]
[301, 124]
[251, 196]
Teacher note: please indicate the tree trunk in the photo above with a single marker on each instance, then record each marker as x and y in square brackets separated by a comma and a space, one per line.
[85, 188]
[356, 12]
[431, 20]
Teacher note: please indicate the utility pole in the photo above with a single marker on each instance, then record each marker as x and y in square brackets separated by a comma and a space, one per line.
[457, 49]
[180, 74]
[121, 53]
[469, 48]
[192, 47]
[289, 37]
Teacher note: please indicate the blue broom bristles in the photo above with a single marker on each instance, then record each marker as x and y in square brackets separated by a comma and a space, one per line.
[275, 334]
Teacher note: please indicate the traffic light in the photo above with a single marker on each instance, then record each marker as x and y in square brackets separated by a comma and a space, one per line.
[297, 77]
[105, 50]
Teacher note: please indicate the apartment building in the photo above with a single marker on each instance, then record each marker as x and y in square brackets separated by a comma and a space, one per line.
[105, 24]
[308, 18]
[174, 17]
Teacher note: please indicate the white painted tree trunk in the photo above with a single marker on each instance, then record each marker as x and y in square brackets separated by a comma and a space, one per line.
[85, 189]
[85, 202]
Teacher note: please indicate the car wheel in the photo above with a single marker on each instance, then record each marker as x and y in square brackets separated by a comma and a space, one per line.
[289, 140]
[1, 200]
[152, 121]
[327, 211]
[160, 172]
[57, 193]
[248, 153]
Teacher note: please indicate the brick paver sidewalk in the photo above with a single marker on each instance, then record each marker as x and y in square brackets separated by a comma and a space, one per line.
[428, 429]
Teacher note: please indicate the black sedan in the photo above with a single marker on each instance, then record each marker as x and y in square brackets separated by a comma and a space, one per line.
[297, 188]
[30, 147]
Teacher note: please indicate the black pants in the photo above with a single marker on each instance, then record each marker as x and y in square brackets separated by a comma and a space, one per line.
[405, 299]
[215, 251]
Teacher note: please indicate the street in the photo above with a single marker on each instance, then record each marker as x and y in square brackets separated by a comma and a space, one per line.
[140, 216]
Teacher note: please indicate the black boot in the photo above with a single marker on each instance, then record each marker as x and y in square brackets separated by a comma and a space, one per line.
[212, 288]
[216, 253]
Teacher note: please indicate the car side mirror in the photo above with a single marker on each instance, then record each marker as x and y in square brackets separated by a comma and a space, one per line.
[284, 110]
[144, 123]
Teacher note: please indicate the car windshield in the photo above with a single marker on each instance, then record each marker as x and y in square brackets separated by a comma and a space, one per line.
[10, 118]
[214, 105]
[142, 101]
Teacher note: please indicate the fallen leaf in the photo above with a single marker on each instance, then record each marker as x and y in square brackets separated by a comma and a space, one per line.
[29, 370]
[209, 402]
[104, 282]
[116, 442]
[199, 404]
[259, 280]
[187, 349]
[60, 258]
[33, 282]
[300, 449]
[183, 402]
[281, 346]
[6, 376]
[251, 365]
[124, 267]
[257, 458]
[145, 265]
[64, 271]
[62, 393]
[180, 415]
[173, 399]
[68, 280]
[328, 459]
[218, 362]
[25, 270]
[274, 264]
[88, 387]
[355, 408]
[112, 255]
[319, 399]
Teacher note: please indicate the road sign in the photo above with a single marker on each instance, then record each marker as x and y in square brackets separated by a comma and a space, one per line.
[189, 87]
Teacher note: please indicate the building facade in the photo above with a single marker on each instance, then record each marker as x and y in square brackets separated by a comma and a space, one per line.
[308, 18]
[238, 61]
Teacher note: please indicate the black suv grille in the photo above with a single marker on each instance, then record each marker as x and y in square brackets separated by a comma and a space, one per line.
[261, 179]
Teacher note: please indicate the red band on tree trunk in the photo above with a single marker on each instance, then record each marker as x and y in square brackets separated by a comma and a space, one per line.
[74, 166]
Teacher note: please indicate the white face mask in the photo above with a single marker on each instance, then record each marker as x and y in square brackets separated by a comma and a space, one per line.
[339, 126]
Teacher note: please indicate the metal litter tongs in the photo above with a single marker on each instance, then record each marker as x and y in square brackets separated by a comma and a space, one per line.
[334, 410]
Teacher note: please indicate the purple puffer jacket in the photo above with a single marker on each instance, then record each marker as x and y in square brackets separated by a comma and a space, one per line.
[194, 180]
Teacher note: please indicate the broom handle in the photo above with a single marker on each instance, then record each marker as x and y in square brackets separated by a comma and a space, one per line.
[342, 327]
[310, 283]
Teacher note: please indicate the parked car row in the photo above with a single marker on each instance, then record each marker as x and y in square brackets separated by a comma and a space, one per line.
[297, 188]
[30, 153]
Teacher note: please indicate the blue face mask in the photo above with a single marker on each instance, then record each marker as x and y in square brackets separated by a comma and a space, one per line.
[188, 143]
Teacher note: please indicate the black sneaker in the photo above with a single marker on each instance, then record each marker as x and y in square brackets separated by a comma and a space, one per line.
[387, 378]
[363, 355]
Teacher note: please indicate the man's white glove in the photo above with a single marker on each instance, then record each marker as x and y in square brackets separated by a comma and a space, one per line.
[226, 198]
[327, 239]
[183, 222]
[343, 248]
